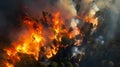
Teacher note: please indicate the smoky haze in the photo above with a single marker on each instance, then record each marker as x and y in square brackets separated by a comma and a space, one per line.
[65, 7]
[112, 16]
[9, 13]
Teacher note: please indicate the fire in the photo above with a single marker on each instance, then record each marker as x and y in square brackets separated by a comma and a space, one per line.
[28, 42]
[92, 20]
[57, 28]
[42, 31]
[9, 65]
[52, 52]
[32, 39]
[91, 16]
[57, 23]
[75, 32]
[36, 35]
[12, 55]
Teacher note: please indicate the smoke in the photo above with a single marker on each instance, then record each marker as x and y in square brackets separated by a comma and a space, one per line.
[77, 51]
[9, 12]
[65, 7]
[68, 7]
[111, 11]
[112, 16]
[3, 21]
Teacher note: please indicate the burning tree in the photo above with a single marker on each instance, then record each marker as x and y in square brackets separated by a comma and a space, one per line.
[54, 38]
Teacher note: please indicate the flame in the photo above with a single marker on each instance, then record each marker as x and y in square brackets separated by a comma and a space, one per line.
[12, 55]
[31, 40]
[36, 36]
[57, 28]
[75, 32]
[28, 42]
[91, 16]
[92, 20]
[8, 64]
[52, 51]
[57, 22]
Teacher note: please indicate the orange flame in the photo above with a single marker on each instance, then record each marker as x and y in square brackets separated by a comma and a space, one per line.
[9, 65]
[92, 20]
[52, 52]
[31, 40]
[75, 32]
[35, 36]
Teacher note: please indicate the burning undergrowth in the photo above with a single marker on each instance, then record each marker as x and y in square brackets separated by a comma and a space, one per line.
[53, 31]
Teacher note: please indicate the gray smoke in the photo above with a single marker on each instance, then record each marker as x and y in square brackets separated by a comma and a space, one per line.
[9, 12]
[65, 7]
[111, 16]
